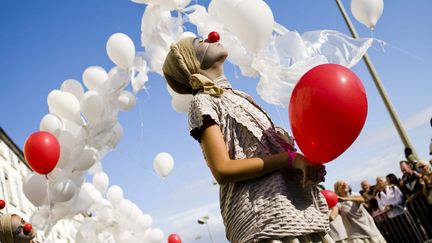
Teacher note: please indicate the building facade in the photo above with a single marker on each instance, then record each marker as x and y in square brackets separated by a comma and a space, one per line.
[13, 169]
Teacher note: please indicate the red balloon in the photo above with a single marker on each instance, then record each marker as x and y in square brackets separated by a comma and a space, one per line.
[213, 37]
[28, 227]
[174, 238]
[42, 152]
[331, 198]
[327, 110]
[2, 204]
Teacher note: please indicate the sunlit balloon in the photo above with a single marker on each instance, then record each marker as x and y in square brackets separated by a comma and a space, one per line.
[52, 124]
[115, 194]
[101, 181]
[64, 105]
[367, 12]
[96, 78]
[92, 106]
[74, 87]
[121, 50]
[251, 20]
[163, 164]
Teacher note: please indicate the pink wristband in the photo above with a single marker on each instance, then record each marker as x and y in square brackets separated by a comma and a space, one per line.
[291, 155]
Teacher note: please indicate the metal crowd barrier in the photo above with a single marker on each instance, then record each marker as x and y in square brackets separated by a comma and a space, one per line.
[412, 226]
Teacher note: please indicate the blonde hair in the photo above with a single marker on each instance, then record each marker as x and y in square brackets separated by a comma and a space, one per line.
[181, 69]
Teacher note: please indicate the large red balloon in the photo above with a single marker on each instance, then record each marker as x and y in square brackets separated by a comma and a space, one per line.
[42, 152]
[331, 198]
[174, 238]
[327, 111]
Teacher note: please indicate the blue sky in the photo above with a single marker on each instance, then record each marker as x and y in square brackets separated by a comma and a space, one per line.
[46, 42]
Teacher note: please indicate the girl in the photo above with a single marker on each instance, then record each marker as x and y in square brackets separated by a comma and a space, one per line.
[267, 190]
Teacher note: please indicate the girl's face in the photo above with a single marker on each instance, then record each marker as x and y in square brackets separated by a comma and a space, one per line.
[209, 53]
[18, 230]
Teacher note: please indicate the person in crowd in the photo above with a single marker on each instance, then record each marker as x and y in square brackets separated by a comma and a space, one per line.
[425, 180]
[392, 179]
[359, 224]
[368, 193]
[267, 190]
[12, 230]
[416, 201]
[389, 197]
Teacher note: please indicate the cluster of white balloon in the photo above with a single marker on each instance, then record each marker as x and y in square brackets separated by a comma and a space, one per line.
[85, 124]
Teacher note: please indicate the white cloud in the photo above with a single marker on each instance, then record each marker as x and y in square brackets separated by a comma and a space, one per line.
[386, 132]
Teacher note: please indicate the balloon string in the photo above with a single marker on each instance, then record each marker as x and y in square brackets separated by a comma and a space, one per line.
[51, 206]
[418, 58]
[140, 111]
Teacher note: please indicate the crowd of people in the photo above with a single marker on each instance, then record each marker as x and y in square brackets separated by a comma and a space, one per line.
[392, 210]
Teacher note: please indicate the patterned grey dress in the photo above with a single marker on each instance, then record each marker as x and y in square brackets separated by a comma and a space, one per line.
[268, 208]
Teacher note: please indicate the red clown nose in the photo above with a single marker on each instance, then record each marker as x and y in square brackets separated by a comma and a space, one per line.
[27, 228]
[213, 37]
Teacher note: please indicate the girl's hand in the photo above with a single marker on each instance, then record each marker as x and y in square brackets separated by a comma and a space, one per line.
[312, 173]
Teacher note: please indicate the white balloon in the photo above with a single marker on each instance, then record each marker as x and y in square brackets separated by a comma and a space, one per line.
[155, 235]
[163, 164]
[74, 87]
[187, 34]
[367, 12]
[126, 101]
[117, 131]
[89, 156]
[118, 78]
[142, 1]
[181, 103]
[121, 50]
[92, 106]
[95, 78]
[115, 195]
[145, 221]
[52, 124]
[101, 181]
[86, 197]
[64, 105]
[35, 188]
[65, 154]
[251, 20]
[63, 190]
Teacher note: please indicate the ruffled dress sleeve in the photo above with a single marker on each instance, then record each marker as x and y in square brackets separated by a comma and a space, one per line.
[204, 111]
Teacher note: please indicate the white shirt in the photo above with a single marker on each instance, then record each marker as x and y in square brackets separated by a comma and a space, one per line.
[391, 196]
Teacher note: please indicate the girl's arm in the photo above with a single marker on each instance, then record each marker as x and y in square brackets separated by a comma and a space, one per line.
[226, 170]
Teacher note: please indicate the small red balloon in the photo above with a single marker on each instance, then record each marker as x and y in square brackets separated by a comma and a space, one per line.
[42, 152]
[174, 238]
[2, 204]
[327, 110]
[331, 198]
[27, 227]
[213, 37]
